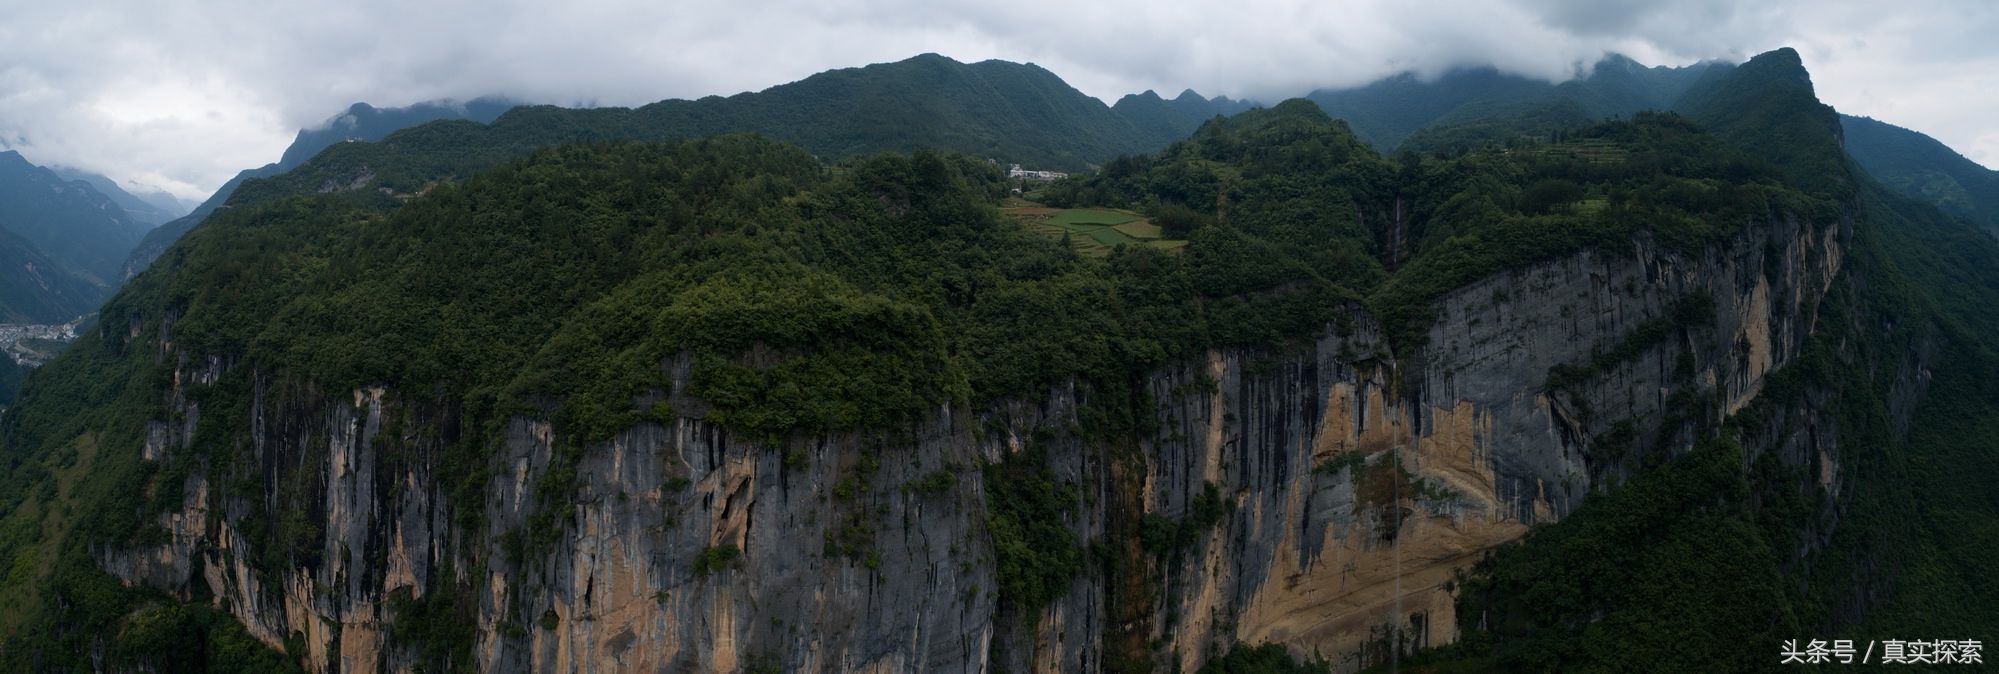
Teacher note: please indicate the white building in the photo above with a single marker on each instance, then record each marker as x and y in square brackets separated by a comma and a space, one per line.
[1018, 173]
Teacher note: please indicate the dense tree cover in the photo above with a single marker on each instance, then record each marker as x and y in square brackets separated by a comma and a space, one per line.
[1034, 552]
[1768, 108]
[360, 122]
[1669, 569]
[175, 638]
[992, 109]
[1264, 659]
[1004, 111]
[1295, 189]
[795, 297]
[11, 375]
[1925, 531]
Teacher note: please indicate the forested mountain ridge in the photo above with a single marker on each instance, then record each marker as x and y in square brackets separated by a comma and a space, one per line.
[58, 240]
[547, 391]
[1172, 119]
[1918, 166]
[152, 209]
[1396, 110]
[1011, 112]
[1008, 112]
[36, 289]
[360, 122]
[71, 222]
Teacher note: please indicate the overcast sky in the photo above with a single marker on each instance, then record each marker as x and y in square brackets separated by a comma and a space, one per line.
[181, 94]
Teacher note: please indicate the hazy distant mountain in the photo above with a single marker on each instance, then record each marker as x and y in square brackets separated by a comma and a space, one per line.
[366, 123]
[1385, 112]
[1176, 118]
[41, 212]
[1007, 111]
[1919, 166]
[361, 122]
[151, 208]
[36, 289]
[1474, 105]
[69, 221]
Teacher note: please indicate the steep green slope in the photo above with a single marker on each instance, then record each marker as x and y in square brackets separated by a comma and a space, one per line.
[1917, 165]
[1766, 106]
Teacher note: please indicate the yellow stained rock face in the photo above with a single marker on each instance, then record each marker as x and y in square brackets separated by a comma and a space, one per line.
[1331, 603]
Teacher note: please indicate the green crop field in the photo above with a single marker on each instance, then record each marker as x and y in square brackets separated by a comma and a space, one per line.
[1592, 150]
[1091, 231]
[1093, 216]
[1140, 229]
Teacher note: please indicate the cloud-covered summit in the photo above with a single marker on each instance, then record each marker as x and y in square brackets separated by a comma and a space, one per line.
[181, 94]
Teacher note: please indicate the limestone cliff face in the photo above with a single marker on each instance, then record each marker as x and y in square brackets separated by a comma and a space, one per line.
[1353, 483]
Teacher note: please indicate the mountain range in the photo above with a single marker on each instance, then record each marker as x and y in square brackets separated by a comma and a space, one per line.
[60, 241]
[1919, 166]
[361, 122]
[1660, 368]
[150, 208]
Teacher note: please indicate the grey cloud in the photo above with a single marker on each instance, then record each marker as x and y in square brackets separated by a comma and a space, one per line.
[180, 94]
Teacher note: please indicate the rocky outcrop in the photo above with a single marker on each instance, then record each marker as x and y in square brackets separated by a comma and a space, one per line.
[1352, 484]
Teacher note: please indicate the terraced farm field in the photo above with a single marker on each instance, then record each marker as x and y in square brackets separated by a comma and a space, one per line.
[1592, 150]
[1093, 231]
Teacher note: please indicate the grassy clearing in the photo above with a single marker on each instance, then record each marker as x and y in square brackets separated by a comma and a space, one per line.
[1108, 236]
[1091, 231]
[1093, 216]
[1140, 229]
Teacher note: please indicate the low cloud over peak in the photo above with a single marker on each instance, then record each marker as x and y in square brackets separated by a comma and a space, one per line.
[181, 94]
